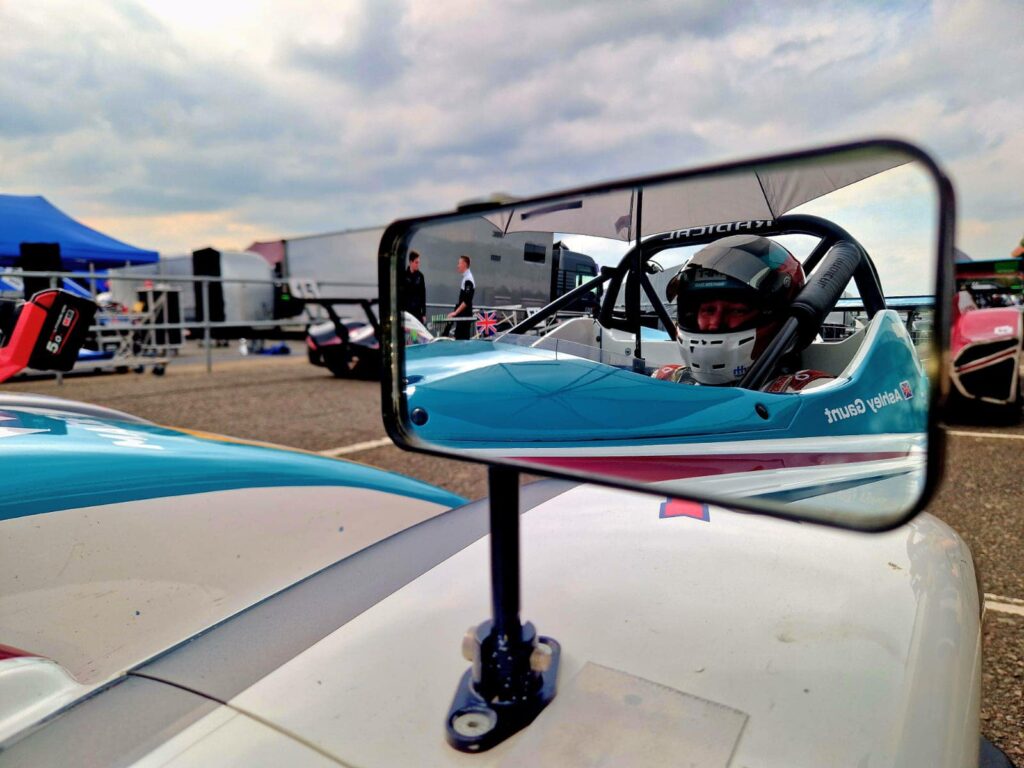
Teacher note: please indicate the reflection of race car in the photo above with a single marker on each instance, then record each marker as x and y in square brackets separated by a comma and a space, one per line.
[577, 397]
[350, 347]
[987, 343]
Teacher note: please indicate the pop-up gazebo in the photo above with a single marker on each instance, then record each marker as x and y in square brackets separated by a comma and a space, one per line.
[33, 220]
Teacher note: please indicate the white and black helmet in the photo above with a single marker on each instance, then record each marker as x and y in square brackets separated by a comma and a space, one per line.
[748, 269]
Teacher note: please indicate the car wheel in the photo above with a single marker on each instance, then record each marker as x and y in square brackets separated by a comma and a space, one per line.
[340, 363]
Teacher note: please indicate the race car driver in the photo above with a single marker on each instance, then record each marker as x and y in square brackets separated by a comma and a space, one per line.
[731, 299]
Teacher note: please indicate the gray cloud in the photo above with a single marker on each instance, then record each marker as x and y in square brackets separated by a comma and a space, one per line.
[369, 58]
[422, 103]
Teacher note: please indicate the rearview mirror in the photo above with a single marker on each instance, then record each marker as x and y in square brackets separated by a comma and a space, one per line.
[766, 335]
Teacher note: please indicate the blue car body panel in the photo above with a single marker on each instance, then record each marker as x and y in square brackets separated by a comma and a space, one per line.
[472, 391]
[53, 461]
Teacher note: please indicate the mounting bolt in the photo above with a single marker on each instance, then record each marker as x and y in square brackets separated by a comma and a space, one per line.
[540, 657]
[470, 646]
[472, 723]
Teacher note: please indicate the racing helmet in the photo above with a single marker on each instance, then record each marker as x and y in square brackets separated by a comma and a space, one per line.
[739, 270]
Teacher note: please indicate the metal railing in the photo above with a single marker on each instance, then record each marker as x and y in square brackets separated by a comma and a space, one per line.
[482, 326]
[149, 334]
[133, 324]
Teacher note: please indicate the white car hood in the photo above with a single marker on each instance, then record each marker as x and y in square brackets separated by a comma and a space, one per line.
[839, 648]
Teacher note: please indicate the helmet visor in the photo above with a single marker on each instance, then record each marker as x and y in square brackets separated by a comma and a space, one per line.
[719, 311]
[745, 270]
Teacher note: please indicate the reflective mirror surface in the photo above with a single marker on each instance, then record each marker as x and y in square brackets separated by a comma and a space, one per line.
[761, 336]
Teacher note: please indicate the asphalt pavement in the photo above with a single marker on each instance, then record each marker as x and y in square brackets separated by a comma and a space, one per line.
[286, 400]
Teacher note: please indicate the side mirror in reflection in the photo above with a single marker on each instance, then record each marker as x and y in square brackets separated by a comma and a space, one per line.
[743, 334]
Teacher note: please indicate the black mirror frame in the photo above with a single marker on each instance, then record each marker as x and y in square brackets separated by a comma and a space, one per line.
[393, 346]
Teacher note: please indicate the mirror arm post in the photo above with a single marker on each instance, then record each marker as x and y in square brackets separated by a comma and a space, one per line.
[515, 671]
[503, 490]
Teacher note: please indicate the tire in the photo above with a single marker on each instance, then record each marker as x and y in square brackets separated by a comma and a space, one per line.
[990, 756]
[340, 362]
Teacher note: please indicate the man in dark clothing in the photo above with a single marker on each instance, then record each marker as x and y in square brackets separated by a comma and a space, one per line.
[464, 306]
[414, 291]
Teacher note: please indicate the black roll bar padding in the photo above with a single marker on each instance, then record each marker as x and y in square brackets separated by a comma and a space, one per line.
[818, 253]
[816, 299]
[865, 277]
[819, 295]
[659, 308]
[533, 320]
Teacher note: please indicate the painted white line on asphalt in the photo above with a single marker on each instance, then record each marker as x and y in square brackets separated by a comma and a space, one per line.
[995, 435]
[1004, 599]
[1001, 604]
[356, 447]
[993, 605]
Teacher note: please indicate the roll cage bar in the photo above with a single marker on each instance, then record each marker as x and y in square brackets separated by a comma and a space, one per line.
[846, 259]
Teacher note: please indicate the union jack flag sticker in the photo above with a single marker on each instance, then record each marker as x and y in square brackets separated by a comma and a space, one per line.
[486, 323]
[906, 390]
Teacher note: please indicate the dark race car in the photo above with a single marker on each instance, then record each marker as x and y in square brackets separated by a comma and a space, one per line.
[349, 347]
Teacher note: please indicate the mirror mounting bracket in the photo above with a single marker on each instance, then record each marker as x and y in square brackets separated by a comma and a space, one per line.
[515, 671]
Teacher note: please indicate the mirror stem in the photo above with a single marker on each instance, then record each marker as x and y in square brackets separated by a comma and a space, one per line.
[504, 512]
[515, 671]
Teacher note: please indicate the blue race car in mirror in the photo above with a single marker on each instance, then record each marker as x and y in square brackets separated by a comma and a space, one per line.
[755, 334]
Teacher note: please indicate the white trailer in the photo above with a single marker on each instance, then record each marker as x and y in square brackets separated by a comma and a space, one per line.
[339, 264]
[242, 302]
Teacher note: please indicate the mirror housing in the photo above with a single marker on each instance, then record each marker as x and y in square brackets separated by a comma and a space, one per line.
[747, 426]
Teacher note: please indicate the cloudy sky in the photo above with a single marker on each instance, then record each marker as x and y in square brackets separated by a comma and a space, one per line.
[174, 124]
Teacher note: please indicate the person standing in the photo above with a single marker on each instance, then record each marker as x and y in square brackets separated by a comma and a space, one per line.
[414, 290]
[464, 305]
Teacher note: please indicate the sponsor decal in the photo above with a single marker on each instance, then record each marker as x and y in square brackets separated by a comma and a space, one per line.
[679, 508]
[1002, 330]
[797, 381]
[6, 431]
[721, 229]
[123, 438]
[67, 320]
[860, 406]
[739, 370]
[487, 323]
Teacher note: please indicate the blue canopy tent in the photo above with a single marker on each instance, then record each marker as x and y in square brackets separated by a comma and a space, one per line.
[32, 219]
